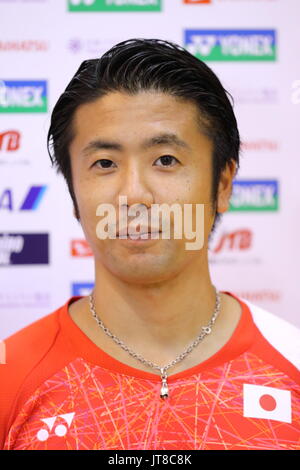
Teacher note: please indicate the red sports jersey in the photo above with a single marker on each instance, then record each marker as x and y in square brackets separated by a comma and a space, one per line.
[61, 391]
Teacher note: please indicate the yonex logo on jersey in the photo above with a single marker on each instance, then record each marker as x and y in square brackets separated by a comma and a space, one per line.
[267, 403]
[60, 430]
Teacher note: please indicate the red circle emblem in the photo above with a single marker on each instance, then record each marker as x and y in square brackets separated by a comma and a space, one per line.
[267, 402]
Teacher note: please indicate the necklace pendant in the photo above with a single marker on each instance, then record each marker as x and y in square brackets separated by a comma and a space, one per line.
[164, 391]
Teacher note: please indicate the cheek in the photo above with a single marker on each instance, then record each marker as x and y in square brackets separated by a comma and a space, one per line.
[88, 199]
[197, 190]
[88, 193]
[196, 180]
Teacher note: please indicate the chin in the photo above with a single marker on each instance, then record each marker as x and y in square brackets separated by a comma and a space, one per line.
[142, 271]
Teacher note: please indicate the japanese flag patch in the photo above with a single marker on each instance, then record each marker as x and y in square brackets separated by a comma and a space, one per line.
[267, 403]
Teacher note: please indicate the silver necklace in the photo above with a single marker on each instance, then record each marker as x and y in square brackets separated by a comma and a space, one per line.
[205, 330]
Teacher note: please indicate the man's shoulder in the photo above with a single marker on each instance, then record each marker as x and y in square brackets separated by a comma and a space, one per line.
[30, 341]
[281, 334]
[32, 345]
[26, 348]
[30, 355]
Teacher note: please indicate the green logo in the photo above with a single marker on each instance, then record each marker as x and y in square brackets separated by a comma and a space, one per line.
[254, 195]
[114, 5]
[23, 96]
[231, 45]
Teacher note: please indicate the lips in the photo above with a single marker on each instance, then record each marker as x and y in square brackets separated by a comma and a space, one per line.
[143, 230]
[137, 236]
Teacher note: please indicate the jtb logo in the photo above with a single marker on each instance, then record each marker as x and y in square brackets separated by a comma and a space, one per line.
[30, 202]
[19, 96]
[60, 430]
[9, 141]
[237, 240]
[233, 45]
[254, 195]
[114, 5]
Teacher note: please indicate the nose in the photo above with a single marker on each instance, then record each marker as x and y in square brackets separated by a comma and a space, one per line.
[135, 187]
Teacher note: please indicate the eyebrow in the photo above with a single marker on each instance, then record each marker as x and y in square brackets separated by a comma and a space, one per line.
[161, 139]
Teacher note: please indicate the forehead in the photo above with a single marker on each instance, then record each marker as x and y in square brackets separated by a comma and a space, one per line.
[135, 113]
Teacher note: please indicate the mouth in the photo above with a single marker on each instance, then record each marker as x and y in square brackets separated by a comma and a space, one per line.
[139, 236]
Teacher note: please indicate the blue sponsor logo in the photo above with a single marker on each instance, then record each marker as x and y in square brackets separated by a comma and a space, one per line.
[82, 288]
[254, 195]
[30, 202]
[24, 248]
[23, 96]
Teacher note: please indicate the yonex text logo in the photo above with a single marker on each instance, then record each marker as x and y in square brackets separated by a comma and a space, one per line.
[19, 96]
[231, 45]
[114, 5]
[162, 216]
[254, 195]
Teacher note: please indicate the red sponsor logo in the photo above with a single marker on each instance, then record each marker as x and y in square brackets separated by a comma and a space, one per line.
[196, 2]
[10, 141]
[80, 248]
[261, 145]
[238, 240]
[24, 46]
[258, 296]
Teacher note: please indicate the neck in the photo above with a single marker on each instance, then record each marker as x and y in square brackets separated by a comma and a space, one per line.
[159, 321]
[169, 312]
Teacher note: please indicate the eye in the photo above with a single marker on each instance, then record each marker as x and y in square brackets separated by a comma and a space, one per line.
[167, 160]
[105, 163]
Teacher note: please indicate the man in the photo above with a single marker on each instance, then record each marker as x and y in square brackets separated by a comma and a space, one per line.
[114, 370]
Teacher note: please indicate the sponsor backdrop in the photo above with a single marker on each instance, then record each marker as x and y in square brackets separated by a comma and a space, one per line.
[252, 45]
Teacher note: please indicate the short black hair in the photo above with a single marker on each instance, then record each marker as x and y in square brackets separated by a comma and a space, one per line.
[138, 65]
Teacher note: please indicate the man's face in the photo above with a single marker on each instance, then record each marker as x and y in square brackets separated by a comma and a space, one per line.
[136, 132]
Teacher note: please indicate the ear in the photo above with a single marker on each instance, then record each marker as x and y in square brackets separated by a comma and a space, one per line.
[225, 186]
